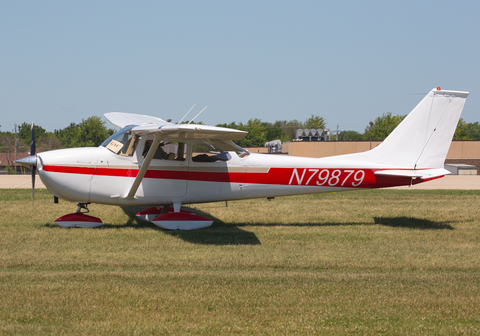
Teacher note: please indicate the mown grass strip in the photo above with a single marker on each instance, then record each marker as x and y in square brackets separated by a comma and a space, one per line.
[363, 262]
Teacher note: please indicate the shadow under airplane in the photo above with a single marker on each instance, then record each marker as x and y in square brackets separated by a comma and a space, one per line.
[413, 223]
[218, 234]
[405, 222]
[221, 233]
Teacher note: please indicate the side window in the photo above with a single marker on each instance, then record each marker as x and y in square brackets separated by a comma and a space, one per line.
[167, 150]
[205, 152]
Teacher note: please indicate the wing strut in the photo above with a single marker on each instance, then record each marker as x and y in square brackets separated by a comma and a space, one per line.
[146, 163]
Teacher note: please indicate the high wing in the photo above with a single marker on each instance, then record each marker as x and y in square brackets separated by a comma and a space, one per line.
[148, 124]
[121, 119]
[161, 129]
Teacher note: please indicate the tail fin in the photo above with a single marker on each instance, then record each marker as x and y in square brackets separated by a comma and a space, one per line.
[423, 138]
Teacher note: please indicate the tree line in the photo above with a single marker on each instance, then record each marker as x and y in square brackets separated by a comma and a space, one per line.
[377, 130]
[91, 132]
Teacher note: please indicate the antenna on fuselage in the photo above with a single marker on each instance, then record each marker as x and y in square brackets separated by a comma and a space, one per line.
[186, 113]
[197, 115]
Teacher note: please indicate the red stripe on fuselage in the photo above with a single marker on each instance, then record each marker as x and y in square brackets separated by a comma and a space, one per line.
[70, 170]
[117, 172]
[316, 177]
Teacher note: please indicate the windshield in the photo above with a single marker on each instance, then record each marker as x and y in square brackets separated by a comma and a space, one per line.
[121, 142]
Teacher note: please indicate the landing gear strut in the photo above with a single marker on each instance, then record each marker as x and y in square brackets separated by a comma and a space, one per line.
[84, 207]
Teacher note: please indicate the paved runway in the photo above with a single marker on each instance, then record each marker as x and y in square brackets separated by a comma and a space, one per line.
[19, 182]
[465, 182]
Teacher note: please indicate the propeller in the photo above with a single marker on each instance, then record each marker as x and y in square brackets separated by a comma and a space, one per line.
[31, 161]
[33, 152]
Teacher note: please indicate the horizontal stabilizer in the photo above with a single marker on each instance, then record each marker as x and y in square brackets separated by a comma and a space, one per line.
[424, 174]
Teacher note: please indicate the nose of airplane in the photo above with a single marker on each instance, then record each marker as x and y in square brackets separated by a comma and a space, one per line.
[67, 173]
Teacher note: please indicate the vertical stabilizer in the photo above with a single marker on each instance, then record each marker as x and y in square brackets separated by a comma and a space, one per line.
[423, 138]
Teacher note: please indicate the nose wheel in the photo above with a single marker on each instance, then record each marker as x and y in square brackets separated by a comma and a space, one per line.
[79, 218]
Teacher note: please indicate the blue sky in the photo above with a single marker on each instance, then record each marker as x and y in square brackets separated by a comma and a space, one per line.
[347, 61]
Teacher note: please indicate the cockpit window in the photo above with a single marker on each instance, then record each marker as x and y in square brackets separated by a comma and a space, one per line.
[207, 152]
[123, 142]
[229, 146]
[167, 150]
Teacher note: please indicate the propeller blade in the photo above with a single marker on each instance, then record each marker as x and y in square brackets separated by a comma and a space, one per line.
[33, 183]
[33, 151]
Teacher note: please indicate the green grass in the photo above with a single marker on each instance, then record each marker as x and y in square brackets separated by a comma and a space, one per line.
[364, 262]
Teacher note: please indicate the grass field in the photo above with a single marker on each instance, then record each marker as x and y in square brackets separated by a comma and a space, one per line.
[366, 262]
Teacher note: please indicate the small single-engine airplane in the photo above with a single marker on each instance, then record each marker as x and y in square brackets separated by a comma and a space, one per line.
[155, 163]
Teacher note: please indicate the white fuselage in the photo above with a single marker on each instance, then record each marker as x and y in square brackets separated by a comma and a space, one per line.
[97, 175]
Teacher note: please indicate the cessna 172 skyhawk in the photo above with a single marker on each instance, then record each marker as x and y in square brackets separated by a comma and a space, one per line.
[152, 162]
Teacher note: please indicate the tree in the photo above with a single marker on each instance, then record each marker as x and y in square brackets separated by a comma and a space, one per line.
[467, 131]
[473, 130]
[49, 142]
[274, 133]
[256, 133]
[194, 122]
[259, 132]
[231, 125]
[44, 140]
[91, 132]
[461, 132]
[350, 136]
[67, 135]
[7, 146]
[382, 126]
[289, 127]
[314, 122]
[25, 131]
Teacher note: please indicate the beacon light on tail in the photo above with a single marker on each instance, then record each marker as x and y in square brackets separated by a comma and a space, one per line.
[153, 163]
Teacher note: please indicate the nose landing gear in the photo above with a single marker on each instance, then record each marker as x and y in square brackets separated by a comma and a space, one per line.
[79, 218]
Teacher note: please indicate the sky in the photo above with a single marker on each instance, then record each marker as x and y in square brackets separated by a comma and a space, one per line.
[346, 61]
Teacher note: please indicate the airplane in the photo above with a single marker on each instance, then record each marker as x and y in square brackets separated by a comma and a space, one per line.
[160, 165]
